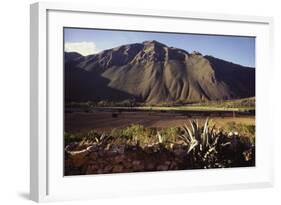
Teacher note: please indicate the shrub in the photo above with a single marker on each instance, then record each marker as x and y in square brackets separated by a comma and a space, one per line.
[204, 146]
[209, 148]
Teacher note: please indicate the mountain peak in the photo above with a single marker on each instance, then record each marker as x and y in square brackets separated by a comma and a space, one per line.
[152, 72]
[154, 42]
[196, 53]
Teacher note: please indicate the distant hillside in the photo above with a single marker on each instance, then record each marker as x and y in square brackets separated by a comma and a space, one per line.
[152, 72]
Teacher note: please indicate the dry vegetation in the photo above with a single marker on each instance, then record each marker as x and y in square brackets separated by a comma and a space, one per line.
[138, 148]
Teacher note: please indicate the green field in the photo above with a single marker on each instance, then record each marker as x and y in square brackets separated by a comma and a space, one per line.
[241, 105]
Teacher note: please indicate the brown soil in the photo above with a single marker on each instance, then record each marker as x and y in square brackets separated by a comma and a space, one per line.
[105, 121]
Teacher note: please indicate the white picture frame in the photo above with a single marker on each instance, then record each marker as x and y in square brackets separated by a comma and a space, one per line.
[47, 182]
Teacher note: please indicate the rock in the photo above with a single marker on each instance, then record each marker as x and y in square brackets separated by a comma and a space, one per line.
[127, 164]
[78, 158]
[179, 150]
[248, 155]
[150, 166]
[138, 168]
[173, 166]
[119, 158]
[101, 153]
[162, 167]
[196, 53]
[100, 171]
[93, 156]
[107, 168]
[148, 149]
[156, 147]
[167, 163]
[137, 165]
[117, 168]
[91, 169]
[136, 162]
[119, 149]
[93, 148]
[135, 148]
[71, 147]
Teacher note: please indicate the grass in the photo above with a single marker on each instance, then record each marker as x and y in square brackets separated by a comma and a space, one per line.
[247, 132]
[138, 134]
[133, 134]
[205, 146]
[244, 104]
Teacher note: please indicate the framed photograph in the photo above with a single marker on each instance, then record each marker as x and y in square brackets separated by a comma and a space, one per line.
[127, 102]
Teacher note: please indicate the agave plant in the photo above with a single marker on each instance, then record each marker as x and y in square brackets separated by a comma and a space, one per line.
[198, 137]
[160, 138]
[202, 142]
[209, 148]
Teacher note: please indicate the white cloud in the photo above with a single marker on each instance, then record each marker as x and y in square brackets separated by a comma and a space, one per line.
[84, 48]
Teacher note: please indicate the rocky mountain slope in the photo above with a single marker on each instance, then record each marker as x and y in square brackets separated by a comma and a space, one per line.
[152, 72]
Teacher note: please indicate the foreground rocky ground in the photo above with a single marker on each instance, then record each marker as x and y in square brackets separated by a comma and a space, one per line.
[105, 155]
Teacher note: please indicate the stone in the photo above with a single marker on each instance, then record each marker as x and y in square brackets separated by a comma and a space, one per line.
[162, 167]
[100, 171]
[138, 168]
[149, 149]
[101, 153]
[91, 169]
[179, 150]
[117, 168]
[137, 165]
[136, 162]
[107, 168]
[119, 159]
[93, 148]
[167, 163]
[248, 155]
[127, 164]
[156, 147]
[78, 158]
[118, 149]
[93, 156]
[150, 166]
[173, 165]
[71, 147]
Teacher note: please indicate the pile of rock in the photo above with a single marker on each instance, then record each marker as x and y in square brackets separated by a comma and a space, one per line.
[123, 158]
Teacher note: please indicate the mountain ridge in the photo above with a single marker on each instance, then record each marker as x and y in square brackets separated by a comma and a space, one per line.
[152, 72]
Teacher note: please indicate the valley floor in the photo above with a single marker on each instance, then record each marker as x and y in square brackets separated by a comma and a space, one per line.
[103, 121]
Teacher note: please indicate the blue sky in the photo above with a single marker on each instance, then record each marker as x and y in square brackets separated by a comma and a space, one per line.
[237, 49]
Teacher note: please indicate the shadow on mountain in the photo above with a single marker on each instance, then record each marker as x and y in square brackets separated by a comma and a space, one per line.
[155, 73]
[240, 79]
[81, 86]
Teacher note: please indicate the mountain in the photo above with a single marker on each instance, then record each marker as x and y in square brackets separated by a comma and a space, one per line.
[152, 72]
[71, 56]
